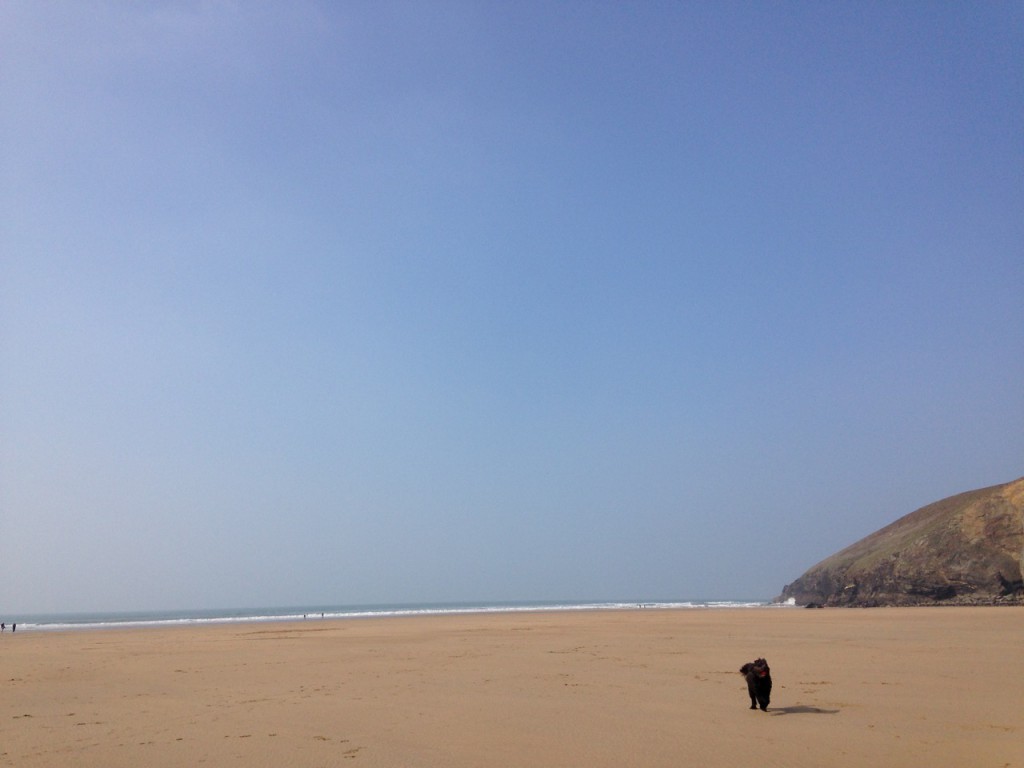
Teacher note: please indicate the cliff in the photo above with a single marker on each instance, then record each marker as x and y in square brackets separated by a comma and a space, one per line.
[966, 549]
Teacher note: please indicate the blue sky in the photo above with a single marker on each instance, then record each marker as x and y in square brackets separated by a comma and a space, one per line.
[360, 302]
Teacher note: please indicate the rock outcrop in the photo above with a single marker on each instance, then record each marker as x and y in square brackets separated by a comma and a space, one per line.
[967, 549]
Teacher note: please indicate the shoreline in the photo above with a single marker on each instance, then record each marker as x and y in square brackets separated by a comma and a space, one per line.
[63, 623]
[890, 686]
[158, 619]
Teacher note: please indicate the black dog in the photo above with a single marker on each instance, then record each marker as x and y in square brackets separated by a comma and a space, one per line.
[759, 683]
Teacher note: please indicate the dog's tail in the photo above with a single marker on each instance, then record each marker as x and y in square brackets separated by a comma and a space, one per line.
[745, 668]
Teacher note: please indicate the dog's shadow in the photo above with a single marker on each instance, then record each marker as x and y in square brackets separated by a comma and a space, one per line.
[801, 709]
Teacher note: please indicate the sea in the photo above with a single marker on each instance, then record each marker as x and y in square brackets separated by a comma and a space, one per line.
[129, 619]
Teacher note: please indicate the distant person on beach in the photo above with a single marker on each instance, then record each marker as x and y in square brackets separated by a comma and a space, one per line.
[2, 627]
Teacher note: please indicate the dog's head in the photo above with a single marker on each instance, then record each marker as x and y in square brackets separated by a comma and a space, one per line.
[760, 668]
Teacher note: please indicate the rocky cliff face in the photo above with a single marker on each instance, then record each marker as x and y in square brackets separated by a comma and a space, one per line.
[967, 549]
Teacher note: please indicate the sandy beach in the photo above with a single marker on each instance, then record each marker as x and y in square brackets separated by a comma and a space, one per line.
[881, 687]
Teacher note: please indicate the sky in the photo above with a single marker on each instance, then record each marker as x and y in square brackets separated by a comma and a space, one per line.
[350, 302]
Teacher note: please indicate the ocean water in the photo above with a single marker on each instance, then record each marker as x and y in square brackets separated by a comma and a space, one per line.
[75, 621]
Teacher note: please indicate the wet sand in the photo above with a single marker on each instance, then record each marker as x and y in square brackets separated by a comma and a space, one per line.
[881, 687]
